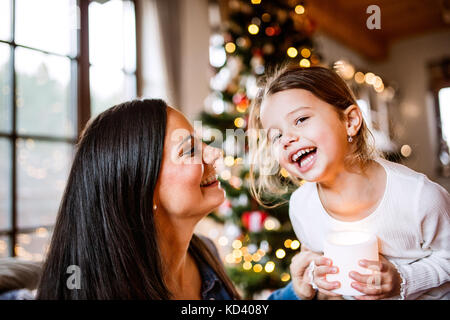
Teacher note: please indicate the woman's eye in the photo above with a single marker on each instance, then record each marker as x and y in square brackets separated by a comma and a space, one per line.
[278, 136]
[192, 152]
[300, 120]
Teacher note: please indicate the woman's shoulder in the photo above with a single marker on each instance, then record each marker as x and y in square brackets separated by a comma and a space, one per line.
[209, 244]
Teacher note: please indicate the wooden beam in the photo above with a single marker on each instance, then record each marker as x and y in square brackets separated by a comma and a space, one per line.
[333, 21]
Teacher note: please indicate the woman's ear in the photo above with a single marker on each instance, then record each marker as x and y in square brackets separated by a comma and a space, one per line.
[353, 119]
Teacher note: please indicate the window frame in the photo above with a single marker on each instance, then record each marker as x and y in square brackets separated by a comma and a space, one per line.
[80, 103]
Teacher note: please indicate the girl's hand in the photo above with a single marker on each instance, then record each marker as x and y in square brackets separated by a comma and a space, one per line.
[383, 283]
[324, 266]
[300, 273]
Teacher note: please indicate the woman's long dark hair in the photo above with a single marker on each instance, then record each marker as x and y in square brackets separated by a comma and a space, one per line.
[105, 224]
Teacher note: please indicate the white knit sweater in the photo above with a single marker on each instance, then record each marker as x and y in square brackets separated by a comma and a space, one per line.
[412, 223]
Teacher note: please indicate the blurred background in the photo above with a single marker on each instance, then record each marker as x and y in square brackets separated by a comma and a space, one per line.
[64, 61]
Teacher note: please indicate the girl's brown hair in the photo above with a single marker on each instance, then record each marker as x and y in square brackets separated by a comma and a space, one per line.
[326, 85]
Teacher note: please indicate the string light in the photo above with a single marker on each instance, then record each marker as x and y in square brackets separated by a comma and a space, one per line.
[229, 161]
[239, 122]
[287, 243]
[256, 1]
[237, 244]
[380, 88]
[369, 78]
[405, 150]
[269, 267]
[280, 253]
[305, 63]
[285, 277]
[359, 77]
[223, 241]
[230, 47]
[284, 172]
[248, 257]
[269, 224]
[257, 267]
[306, 53]
[265, 17]
[225, 175]
[292, 52]
[295, 245]
[253, 29]
[256, 257]
[237, 253]
[247, 265]
[229, 258]
[299, 9]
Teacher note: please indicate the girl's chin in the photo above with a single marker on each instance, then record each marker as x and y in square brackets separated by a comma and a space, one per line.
[312, 173]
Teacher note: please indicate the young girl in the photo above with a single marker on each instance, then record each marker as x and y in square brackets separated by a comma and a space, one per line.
[308, 122]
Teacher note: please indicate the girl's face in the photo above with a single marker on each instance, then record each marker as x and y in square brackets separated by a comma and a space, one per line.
[187, 185]
[307, 135]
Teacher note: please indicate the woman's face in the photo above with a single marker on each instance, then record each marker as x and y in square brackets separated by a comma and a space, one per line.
[187, 185]
[307, 135]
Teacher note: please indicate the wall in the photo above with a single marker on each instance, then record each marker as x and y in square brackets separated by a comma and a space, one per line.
[414, 119]
[194, 54]
[175, 52]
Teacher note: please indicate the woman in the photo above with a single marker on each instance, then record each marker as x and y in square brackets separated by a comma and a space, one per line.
[139, 184]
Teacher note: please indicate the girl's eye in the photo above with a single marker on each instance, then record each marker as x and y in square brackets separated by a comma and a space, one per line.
[300, 120]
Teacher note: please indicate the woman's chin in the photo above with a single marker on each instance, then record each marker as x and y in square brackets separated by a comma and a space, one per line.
[214, 195]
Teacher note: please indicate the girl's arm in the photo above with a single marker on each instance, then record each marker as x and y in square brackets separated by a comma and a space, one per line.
[433, 212]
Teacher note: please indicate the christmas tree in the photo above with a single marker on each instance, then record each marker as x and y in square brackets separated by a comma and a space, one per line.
[256, 36]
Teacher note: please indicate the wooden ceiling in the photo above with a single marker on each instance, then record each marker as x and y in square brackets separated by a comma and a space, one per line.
[345, 20]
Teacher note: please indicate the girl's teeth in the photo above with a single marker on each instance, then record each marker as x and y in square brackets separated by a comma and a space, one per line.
[301, 152]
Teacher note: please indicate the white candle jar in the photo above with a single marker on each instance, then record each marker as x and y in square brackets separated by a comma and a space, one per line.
[345, 249]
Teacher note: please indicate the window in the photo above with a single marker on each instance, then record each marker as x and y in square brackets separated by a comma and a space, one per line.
[444, 116]
[43, 92]
[439, 82]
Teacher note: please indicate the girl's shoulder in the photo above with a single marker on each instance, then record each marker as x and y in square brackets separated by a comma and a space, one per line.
[302, 192]
[400, 170]
[415, 187]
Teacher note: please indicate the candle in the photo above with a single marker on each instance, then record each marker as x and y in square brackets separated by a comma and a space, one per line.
[345, 249]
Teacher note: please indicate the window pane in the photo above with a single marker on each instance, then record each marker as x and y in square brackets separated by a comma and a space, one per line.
[4, 247]
[5, 184]
[112, 34]
[109, 87]
[5, 88]
[48, 25]
[444, 108]
[33, 246]
[5, 20]
[43, 93]
[42, 172]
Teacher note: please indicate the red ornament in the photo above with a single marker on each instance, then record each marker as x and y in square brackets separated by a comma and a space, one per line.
[270, 31]
[253, 221]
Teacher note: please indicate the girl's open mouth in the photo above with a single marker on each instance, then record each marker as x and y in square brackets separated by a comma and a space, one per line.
[305, 158]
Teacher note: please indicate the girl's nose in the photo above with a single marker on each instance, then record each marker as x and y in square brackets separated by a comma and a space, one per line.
[211, 154]
[287, 139]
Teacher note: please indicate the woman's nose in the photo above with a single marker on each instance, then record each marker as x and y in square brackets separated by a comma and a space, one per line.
[211, 154]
